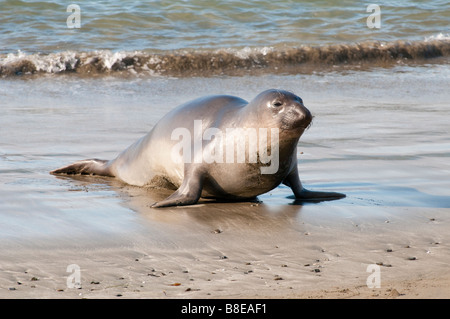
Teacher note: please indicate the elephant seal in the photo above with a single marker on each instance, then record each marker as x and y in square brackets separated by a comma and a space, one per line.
[216, 147]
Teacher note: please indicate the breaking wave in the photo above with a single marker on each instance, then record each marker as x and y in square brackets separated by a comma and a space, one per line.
[302, 59]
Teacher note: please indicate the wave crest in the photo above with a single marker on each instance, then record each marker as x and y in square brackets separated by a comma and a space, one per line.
[225, 61]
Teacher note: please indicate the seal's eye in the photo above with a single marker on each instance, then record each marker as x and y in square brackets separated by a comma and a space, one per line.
[277, 104]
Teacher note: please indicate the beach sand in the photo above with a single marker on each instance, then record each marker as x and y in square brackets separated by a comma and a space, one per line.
[379, 137]
[248, 250]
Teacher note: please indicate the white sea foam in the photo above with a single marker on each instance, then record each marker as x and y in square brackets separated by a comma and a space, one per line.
[439, 36]
[50, 63]
[110, 58]
[247, 52]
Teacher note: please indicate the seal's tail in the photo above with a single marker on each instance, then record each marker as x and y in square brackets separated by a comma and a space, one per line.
[85, 167]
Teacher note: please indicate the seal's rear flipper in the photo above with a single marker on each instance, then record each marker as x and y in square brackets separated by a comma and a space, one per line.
[85, 167]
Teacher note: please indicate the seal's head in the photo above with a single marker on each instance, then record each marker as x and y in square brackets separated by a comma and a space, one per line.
[284, 110]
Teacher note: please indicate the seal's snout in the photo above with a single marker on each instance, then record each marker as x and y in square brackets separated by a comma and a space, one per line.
[302, 117]
[304, 114]
[295, 117]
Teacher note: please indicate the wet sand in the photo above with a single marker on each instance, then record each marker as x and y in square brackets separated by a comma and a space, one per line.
[380, 137]
[245, 250]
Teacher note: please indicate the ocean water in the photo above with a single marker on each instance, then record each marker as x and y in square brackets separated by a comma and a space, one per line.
[186, 38]
[41, 26]
[379, 95]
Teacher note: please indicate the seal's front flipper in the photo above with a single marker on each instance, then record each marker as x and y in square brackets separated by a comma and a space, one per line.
[307, 195]
[85, 167]
[187, 194]
[302, 194]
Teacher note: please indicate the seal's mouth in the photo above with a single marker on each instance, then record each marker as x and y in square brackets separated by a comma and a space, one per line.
[310, 123]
